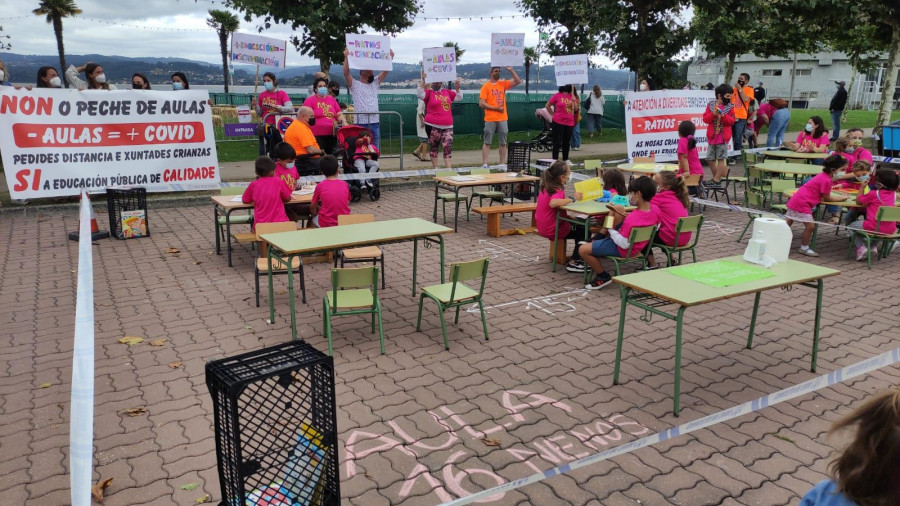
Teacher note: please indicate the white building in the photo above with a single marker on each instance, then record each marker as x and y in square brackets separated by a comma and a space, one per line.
[815, 75]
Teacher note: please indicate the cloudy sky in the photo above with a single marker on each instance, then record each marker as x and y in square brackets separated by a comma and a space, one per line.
[143, 28]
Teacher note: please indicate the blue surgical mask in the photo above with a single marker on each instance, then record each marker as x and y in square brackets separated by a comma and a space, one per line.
[269, 85]
[289, 165]
[321, 90]
[809, 127]
[850, 149]
[863, 178]
[177, 85]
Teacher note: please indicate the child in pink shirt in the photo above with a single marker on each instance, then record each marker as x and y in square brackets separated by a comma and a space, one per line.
[267, 194]
[808, 196]
[285, 170]
[331, 197]
[551, 197]
[688, 158]
[882, 193]
[671, 203]
[641, 191]
[719, 118]
[614, 182]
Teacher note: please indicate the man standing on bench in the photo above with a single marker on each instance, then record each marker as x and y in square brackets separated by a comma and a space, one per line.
[493, 100]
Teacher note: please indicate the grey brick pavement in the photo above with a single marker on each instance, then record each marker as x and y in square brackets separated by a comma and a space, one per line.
[412, 421]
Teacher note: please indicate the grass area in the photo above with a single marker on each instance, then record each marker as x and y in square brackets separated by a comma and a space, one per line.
[861, 119]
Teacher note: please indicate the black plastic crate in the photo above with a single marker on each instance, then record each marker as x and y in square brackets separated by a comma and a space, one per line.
[130, 201]
[276, 426]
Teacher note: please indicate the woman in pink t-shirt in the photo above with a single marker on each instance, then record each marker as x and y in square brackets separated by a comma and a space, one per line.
[551, 197]
[671, 203]
[439, 116]
[564, 107]
[272, 101]
[808, 196]
[688, 158]
[267, 193]
[813, 140]
[328, 113]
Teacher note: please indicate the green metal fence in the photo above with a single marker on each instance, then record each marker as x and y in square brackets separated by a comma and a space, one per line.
[468, 118]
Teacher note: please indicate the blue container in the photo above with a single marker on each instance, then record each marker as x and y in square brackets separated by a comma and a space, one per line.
[890, 138]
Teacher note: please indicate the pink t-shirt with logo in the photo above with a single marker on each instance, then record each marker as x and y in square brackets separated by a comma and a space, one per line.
[545, 216]
[333, 199]
[439, 108]
[326, 109]
[271, 101]
[564, 105]
[693, 158]
[669, 209]
[289, 176]
[808, 141]
[873, 200]
[637, 218]
[810, 194]
[268, 195]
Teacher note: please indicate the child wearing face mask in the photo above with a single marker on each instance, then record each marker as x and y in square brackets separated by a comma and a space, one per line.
[284, 156]
[272, 100]
[808, 196]
[365, 157]
[882, 192]
[719, 117]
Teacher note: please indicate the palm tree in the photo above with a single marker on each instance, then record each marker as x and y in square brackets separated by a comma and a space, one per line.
[224, 23]
[531, 56]
[459, 52]
[56, 10]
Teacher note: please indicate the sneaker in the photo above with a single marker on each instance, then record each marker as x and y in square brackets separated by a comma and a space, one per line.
[575, 266]
[711, 184]
[599, 281]
[484, 165]
[875, 251]
[808, 252]
[647, 268]
[576, 149]
[501, 166]
[861, 253]
[732, 161]
[833, 219]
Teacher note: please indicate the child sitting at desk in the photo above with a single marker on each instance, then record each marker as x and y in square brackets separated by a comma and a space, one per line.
[285, 170]
[614, 181]
[671, 203]
[808, 196]
[551, 197]
[267, 194]
[331, 197]
[882, 192]
[641, 190]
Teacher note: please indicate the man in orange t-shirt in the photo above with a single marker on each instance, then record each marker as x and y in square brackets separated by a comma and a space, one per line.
[741, 98]
[299, 135]
[493, 100]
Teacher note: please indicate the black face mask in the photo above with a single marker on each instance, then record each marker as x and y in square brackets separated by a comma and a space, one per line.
[335, 92]
[312, 121]
[136, 86]
[370, 79]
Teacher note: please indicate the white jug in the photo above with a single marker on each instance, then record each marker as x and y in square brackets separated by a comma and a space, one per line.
[777, 235]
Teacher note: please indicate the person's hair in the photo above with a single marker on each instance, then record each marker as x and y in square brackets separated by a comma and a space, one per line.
[744, 74]
[854, 129]
[319, 80]
[643, 185]
[271, 75]
[867, 470]
[722, 89]
[668, 179]
[614, 179]
[566, 88]
[842, 143]
[492, 69]
[861, 165]
[183, 77]
[820, 127]
[142, 76]
[265, 166]
[328, 165]
[5, 70]
[334, 85]
[42, 73]
[598, 92]
[833, 163]
[551, 179]
[284, 151]
[687, 129]
[889, 179]
[89, 69]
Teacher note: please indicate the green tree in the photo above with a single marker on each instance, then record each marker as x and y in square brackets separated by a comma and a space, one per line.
[55, 11]
[224, 23]
[863, 45]
[571, 27]
[323, 23]
[459, 53]
[531, 57]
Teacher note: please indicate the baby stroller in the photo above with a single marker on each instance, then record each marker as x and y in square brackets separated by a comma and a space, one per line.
[346, 139]
[544, 140]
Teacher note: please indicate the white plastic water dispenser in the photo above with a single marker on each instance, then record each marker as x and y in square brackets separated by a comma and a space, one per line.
[770, 242]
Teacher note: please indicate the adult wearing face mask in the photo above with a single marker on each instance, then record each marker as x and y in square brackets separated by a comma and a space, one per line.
[836, 108]
[741, 98]
[272, 100]
[94, 75]
[850, 147]
[4, 75]
[300, 136]
[645, 86]
[48, 77]
[139, 82]
[365, 97]
[327, 114]
[180, 81]
[439, 116]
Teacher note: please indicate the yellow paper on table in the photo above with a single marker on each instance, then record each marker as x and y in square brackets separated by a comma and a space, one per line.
[590, 189]
[655, 167]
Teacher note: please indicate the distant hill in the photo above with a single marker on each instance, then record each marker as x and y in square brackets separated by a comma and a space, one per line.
[119, 69]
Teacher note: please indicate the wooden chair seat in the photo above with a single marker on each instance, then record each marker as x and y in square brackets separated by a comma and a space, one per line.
[367, 252]
[262, 264]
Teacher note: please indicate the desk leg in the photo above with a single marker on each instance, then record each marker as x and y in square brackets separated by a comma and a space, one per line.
[415, 260]
[753, 320]
[555, 240]
[441, 242]
[216, 230]
[678, 321]
[434, 214]
[624, 293]
[228, 234]
[456, 212]
[587, 237]
[815, 350]
[290, 273]
[271, 287]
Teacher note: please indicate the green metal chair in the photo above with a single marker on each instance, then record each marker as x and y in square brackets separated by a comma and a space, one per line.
[353, 291]
[240, 219]
[685, 225]
[279, 266]
[885, 214]
[484, 194]
[777, 187]
[749, 159]
[450, 197]
[752, 198]
[595, 165]
[638, 234]
[457, 294]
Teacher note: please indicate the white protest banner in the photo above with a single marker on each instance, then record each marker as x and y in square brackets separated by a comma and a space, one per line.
[58, 142]
[439, 64]
[571, 69]
[652, 119]
[369, 52]
[258, 50]
[507, 49]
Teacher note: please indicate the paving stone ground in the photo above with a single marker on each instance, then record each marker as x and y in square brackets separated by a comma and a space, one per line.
[412, 421]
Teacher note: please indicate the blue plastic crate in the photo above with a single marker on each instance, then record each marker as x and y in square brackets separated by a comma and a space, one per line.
[890, 138]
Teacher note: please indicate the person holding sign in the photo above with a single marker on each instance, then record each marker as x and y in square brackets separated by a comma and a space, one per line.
[365, 97]
[564, 106]
[439, 116]
[493, 100]
[328, 113]
[272, 100]
[96, 78]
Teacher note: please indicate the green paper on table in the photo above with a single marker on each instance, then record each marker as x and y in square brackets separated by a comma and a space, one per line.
[722, 273]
